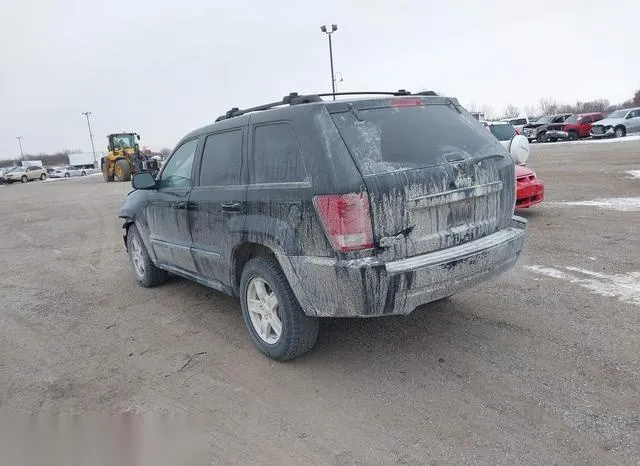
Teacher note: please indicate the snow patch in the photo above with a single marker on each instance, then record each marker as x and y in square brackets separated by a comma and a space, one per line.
[624, 286]
[633, 174]
[621, 204]
[594, 141]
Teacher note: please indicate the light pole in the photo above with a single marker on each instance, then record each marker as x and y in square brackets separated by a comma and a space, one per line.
[19, 138]
[334, 28]
[95, 160]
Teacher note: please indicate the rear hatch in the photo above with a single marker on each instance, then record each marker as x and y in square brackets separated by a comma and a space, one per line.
[436, 177]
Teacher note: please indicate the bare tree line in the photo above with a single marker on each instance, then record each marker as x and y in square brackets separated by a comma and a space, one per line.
[550, 106]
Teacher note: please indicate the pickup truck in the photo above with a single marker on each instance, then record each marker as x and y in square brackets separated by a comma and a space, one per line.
[538, 129]
[575, 127]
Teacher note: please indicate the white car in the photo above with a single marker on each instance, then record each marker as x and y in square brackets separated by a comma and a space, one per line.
[67, 172]
[516, 144]
[25, 174]
[517, 123]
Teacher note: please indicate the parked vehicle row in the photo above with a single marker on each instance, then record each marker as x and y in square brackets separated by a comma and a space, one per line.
[596, 125]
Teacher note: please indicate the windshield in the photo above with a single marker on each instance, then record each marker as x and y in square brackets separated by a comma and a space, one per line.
[121, 141]
[618, 114]
[545, 119]
[573, 119]
[389, 139]
[504, 132]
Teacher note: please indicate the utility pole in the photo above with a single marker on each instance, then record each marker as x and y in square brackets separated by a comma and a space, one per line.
[334, 28]
[95, 160]
[19, 138]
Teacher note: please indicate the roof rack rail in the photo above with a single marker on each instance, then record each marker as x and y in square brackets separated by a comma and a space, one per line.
[296, 99]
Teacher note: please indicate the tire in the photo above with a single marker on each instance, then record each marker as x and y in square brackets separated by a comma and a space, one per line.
[146, 273]
[43, 177]
[573, 136]
[553, 139]
[24, 178]
[542, 137]
[83, 174]
[67, 175]
[298, 332]
[122, 171]
[105, 173]
[620, 132]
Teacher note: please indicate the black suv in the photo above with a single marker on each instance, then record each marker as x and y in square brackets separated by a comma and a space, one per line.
[307, 208]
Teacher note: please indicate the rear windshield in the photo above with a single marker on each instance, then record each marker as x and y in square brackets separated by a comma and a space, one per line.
[518, 121]
[389, 139]
[504, 132]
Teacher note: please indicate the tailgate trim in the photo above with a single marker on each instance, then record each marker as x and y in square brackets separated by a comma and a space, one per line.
[455, 195]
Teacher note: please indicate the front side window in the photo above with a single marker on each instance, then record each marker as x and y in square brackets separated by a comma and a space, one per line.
[177, 171]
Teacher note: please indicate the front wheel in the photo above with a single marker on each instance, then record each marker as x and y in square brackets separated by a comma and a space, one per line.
[277, 324]
[67, 175]
[620, 132]
[573, 136]
[83, 174]
[147, 274]
[122, 170]
[43, 177]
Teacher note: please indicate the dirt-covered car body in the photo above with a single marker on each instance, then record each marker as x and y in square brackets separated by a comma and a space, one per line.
[371, 206]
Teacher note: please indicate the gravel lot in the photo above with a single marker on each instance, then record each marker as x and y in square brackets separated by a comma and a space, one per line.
[538, 366]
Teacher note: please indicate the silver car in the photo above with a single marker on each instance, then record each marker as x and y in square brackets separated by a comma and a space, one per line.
[68, 171]
[617, 124]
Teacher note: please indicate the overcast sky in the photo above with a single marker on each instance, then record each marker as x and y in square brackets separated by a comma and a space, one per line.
[163, 68]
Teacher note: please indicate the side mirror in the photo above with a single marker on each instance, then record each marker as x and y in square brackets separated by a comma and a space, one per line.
[138, 136]
[144, 180]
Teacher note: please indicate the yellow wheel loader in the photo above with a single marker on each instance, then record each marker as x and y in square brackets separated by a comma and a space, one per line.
[124, 158]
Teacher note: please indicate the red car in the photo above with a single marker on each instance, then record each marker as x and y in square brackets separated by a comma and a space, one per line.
[575, 127]
[529, 189]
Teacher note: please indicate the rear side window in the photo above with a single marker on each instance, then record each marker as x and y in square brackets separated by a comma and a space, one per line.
[222, 159]
[587, 119]
[518, 121]
[276, 155]
[597, 118]
[383, 140]
[503, 132]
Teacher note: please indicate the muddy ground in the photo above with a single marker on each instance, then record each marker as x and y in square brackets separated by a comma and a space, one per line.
[538, 366]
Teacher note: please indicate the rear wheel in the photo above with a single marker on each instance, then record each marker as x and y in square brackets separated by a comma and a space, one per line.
[122, 171]
[620, 132]
[67, 175]
[147, 274]
[43, 176]
[83, 173]
[553, 139]
[277, 324]
[24, 178]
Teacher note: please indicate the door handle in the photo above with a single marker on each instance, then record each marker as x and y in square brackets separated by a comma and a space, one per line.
[180, 205]
[231, 206]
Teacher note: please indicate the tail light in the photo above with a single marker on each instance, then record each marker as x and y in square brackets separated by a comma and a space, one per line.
[346, 220]
[517, 131]
[407, 102]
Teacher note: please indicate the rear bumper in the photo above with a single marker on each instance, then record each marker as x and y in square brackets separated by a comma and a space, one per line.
[328, 287]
